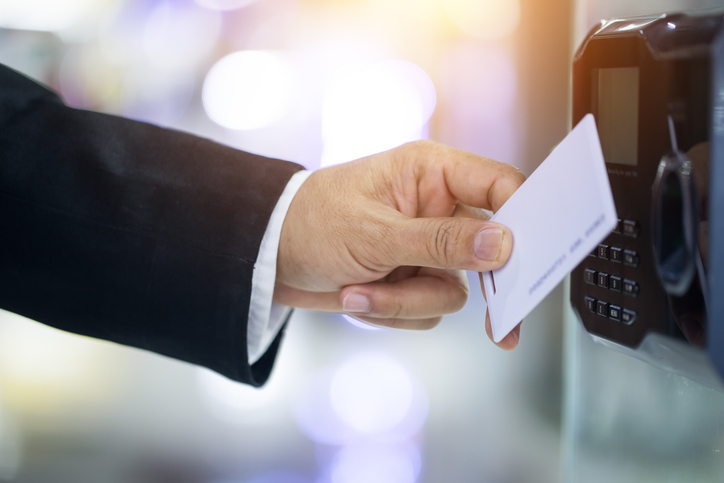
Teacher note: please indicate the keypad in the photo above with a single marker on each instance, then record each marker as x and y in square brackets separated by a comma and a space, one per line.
[614, 312]
[603, 280]
[630, 258]
[611, 282]
[615, 283]
[617, 230]
[630, 288]
[610, 311]
[630, 228]
[628, 316]
[602, 308]
[610, 277]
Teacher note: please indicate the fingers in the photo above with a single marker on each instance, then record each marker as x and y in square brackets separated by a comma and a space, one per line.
[451, 243]
[406, 324]
[306, 299]
[411, 303]
[483, 182]
[417, 303]
[464, 211]
[509, 342]
[474, 180]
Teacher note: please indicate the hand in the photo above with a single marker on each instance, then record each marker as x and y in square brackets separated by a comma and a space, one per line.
[386, 238]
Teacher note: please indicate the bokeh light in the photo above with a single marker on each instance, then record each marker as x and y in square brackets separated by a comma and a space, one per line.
[482, 83]
[485, 19]
[10, 448]
[120, 32]
[371, 393]
[249, 89]
[45, 370]
[374, 108]
[179, 33]
[314, 414]
[233, 402]
[50, 15]
[379, 463]
[224, 4]
[277, 476]
[86, 80]
[153, 94]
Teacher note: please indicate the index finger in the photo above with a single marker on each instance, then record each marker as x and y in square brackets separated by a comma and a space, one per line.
[509, 342]
[476, 180]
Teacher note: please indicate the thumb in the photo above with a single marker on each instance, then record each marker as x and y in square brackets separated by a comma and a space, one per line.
[453, 243]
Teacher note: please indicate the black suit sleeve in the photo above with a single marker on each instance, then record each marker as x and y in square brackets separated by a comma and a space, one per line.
[131, 233]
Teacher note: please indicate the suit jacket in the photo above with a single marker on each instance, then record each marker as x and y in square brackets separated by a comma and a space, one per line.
[131, 233]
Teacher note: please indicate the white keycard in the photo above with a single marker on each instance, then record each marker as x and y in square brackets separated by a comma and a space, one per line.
[557, 217]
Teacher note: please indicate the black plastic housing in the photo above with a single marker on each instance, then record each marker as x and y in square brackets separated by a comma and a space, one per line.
[680, 63]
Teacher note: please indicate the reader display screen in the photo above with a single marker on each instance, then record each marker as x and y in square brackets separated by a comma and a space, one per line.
[617, 102]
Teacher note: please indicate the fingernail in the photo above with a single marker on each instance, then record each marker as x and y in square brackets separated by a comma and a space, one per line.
[355, 303]
[487, 243]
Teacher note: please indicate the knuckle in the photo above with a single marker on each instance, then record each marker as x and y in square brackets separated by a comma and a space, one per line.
[397, 311]
[421, 145]
[416, 150]
[426, 145]
[516, 174]
[442, 244]
[390, 308]
[370, 247]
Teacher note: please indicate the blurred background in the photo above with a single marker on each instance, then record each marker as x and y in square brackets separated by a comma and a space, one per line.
[321, 82]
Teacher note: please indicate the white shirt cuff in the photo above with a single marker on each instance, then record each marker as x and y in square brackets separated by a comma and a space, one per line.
[265, 317]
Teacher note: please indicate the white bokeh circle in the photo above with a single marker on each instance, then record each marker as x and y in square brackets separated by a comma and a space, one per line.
[248, 89]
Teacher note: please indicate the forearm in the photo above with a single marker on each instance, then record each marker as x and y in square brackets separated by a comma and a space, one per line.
[128, 232]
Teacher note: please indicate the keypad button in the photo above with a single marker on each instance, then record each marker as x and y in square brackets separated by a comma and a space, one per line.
[630, 228]
[628, 316]
[618, 227]
[614, 312]
[589, 276]
[630, 258]
[615, 283]
[593, 254]
[590, 303]
[602, 308]
[603, 252]
[630, 288]
[603, 280]
[615, 254]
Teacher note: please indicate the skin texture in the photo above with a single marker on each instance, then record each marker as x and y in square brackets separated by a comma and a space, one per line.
[387, 238]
